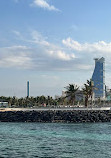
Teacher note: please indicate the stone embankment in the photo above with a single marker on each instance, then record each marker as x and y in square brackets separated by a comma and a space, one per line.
[56, 116]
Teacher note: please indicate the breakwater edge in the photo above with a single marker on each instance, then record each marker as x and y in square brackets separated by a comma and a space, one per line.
[68, 116]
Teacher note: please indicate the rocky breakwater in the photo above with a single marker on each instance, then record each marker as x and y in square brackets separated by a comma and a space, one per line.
[56, 116]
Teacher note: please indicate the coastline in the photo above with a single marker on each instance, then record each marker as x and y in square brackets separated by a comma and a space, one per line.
[66, 116]
[57, 109]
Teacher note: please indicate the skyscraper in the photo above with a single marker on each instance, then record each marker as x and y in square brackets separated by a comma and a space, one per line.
[27, 88]
[98, 78]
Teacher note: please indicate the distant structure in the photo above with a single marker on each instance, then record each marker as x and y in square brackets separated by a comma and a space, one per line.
[27, 88]
[98, 78]
[3, 104]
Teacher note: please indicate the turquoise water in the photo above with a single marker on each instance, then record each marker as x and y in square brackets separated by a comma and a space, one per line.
[55, 140]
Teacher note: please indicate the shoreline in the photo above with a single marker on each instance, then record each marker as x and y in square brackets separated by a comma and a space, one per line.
[57, 109]
[66, 116]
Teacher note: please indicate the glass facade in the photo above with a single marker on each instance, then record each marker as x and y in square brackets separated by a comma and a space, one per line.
[98, 78]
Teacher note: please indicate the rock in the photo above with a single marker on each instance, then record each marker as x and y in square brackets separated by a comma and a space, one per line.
[56, 116]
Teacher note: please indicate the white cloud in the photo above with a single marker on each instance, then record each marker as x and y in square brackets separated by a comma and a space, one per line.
[48, 49]
[39, 39]
[61, 55]
[17, 33]
[52, 50]
[15, 56]
[41, 55]
[44, 4]
[100, 46]
[15, 61]
[23, 57]
[86, 52]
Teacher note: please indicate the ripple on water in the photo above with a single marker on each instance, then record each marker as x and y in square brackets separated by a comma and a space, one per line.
[55, 140]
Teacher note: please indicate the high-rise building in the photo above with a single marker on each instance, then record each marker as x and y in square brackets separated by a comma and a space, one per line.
[98, 78]
[27, 88]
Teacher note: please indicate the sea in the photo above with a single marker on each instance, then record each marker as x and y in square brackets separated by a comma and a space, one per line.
[55, 140]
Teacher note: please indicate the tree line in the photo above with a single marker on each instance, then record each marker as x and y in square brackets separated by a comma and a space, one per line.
[72, 96]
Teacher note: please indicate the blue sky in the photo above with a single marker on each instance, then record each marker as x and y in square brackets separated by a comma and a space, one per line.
[52, 43]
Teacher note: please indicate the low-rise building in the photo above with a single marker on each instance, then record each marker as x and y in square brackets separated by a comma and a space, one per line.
[3, 104]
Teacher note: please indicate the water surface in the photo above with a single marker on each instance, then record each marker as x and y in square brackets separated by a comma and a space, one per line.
[55, 140]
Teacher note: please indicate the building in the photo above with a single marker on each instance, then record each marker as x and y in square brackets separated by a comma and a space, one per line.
[108, 93]
[98, 78]
[3, 104]
[27, 88]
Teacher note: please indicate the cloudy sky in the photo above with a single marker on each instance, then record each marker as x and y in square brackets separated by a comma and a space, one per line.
[52, 43]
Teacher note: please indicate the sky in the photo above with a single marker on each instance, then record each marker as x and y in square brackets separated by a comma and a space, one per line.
[52, 43]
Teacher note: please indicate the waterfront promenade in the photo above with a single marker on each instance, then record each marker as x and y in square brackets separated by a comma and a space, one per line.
[56, 109]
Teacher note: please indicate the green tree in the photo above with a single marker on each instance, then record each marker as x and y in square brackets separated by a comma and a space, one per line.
[70, 92]
[88, 91]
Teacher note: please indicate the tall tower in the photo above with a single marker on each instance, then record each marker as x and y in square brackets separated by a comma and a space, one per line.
[27, 88]
[98, 78]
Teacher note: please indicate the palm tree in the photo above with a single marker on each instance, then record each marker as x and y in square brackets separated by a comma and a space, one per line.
[88, 91]
[70, 92]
